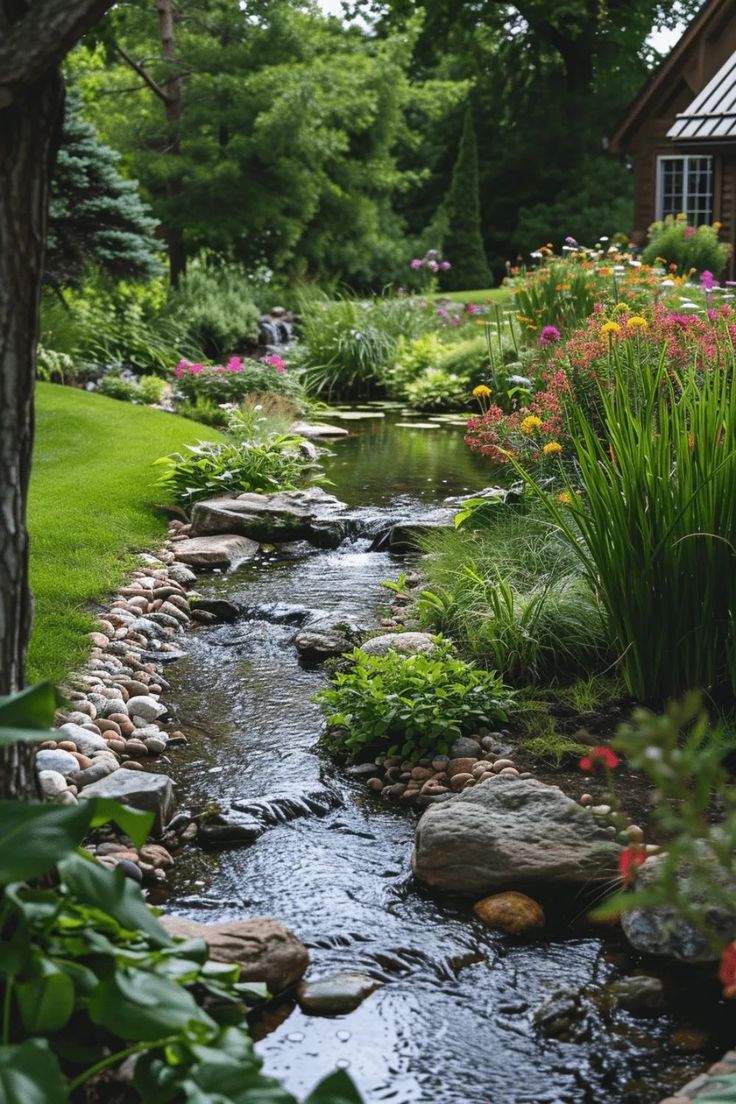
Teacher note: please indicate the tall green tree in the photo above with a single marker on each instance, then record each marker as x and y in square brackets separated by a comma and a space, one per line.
[463, 244]
[96, 217]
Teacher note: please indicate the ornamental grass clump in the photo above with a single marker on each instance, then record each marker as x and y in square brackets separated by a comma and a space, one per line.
[414, 706]
[655, 525]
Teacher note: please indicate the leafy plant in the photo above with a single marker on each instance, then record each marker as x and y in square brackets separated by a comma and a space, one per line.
[214, 306]
[436, 389]
[205, 470]
[417, 704]
[89, 978]
[233, 383]
[686, 248]
[113, 387]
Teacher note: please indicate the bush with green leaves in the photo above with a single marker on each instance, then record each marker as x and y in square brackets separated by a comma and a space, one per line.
[689, 248]
[207, 469]
[89, 978]
[214, 306]
[436, 389]
[236, 380]
[413, 706]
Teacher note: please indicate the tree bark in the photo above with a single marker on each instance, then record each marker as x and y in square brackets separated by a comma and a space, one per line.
[173, 105]
[29, 131]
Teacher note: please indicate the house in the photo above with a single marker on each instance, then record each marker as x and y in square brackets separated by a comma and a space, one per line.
[680, 131]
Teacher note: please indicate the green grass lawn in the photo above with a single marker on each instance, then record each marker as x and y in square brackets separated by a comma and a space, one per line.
[91, 505]
[496, 295]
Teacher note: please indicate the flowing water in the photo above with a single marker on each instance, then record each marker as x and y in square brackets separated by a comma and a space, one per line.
[451, 1022]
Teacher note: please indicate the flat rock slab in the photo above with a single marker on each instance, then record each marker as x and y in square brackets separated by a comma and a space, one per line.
[337, 994]
[264, 949]
[508, 831]
[319, 429]
[225, 549]
[152, 793]
[311, 515]
[407, 642]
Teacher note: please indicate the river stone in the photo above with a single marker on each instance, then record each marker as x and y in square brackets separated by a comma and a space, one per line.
[510, 830]
[318, 429]
[220, 608]
[101, 768]
[145, 708]
[52, 783]
[56, 760]
[510, 912]
[219, 550]
[264, 949]
[407, 537]
[243, 830]
[181, 574]
[153, 793]
[465, 747]
[660, 931]
[336, 994]
[324, 638]
[638, 994]
[310, 515]
[85, 741]
[407, 642]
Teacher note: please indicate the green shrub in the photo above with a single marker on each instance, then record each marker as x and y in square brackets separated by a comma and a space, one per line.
[152, 388]
[689, 248]
[89, 976]
[206, 470]
[116, 388]
[655, 527]
[416, 705]
[204, 411]
[436, 389]
[412, 358]
[52, 365]
[468, 358]
[214, 305]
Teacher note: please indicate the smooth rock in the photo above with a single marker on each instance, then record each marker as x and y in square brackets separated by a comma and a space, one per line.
[57, 761]
[318, 642]
[336, 994]
[510, 912]
[52, 784]
[311, 515]
[510, 830]
[156, 745]
[221, 609]
[100, 769]
[465, 747]
[264, 949]
[246, 829]
[638, 994]
[153, 793]
[145, 708]
[407, 642]
[85, 741]
[221, 550]
[182, 575]
[660, 931]
[318, 429]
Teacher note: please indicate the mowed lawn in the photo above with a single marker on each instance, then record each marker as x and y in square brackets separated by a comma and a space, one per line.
[482, 297]
[92, 504]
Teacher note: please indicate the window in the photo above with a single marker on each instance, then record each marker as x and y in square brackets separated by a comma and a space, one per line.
[685, 184]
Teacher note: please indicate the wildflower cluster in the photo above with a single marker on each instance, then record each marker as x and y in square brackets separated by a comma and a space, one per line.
[232, 381]
[532, 433]
[430, 262]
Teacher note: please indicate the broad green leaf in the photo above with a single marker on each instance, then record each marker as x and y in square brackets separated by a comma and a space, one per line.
[30, 1074]
[93, 884]
[46, 1001]
[34, 836]
[27, 715]
[338, 1088]
[143, 1006]
[133, 822]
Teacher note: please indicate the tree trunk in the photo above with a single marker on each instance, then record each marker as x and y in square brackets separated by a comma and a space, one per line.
[173, 105]
[30, 127]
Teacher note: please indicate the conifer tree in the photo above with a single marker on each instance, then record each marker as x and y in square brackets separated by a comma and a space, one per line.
[463, 244]
[96, 217]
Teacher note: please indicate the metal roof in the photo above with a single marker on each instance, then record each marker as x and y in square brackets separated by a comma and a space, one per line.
[712, 114]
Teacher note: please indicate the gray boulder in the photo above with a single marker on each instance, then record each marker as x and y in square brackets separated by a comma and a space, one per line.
[318, 429]
[508, 831]
[56, 760]
[265, 950]
[310, 515]
[153, 793]
[660, 931]
[336, 994]
[145, 708]
[407, 642]
[86, 742]
[225, 549]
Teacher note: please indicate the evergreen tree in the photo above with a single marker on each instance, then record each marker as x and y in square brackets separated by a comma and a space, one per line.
[96, 217]
[463, 244]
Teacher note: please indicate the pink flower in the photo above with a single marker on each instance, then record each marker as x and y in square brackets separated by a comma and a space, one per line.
[442, 313]
[550, 335]
[445, 266]
[194, 369]
[235, 364]
[416, 263]
[471, 308]
[689, 231]
[181, 368]
[275, 362]
[708, 280]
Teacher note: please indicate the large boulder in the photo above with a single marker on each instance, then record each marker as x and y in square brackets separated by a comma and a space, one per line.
[264, 949]
[508, 831]
[661, 931]
[310, 515]
[152, 793]
[226, 549]
[324, 637]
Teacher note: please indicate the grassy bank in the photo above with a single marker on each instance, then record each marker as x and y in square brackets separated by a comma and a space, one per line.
[479, 296]
[91, 505]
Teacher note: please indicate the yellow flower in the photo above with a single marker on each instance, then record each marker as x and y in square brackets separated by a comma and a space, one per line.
[552, 448]
[530, 423]
[716, 226]
[637, 323]
[682, 217]
[565, 498]
[610, 328]
[621, 308]
[481, 390]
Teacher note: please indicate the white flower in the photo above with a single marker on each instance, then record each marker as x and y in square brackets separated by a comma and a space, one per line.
[667, 283]
[603, 239]
[536, 255]
[635, 264]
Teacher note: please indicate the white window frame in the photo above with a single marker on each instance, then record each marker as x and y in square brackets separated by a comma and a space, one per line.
[686, 159]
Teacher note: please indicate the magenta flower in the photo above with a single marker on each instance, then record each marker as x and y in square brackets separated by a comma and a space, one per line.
[689, 231]
[194, 369]
[445, 266]
[181, 368]
[275, 361]
[442, 313]
[416, 263]
[471, 308]
[235, 364]
[550, 335]
[708, 281]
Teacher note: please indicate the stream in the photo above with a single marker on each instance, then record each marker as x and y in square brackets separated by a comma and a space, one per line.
[451, 1022]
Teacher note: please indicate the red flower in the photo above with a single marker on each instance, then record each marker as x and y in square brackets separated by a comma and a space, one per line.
[628, 860]
[727, 971]
[599, 756]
